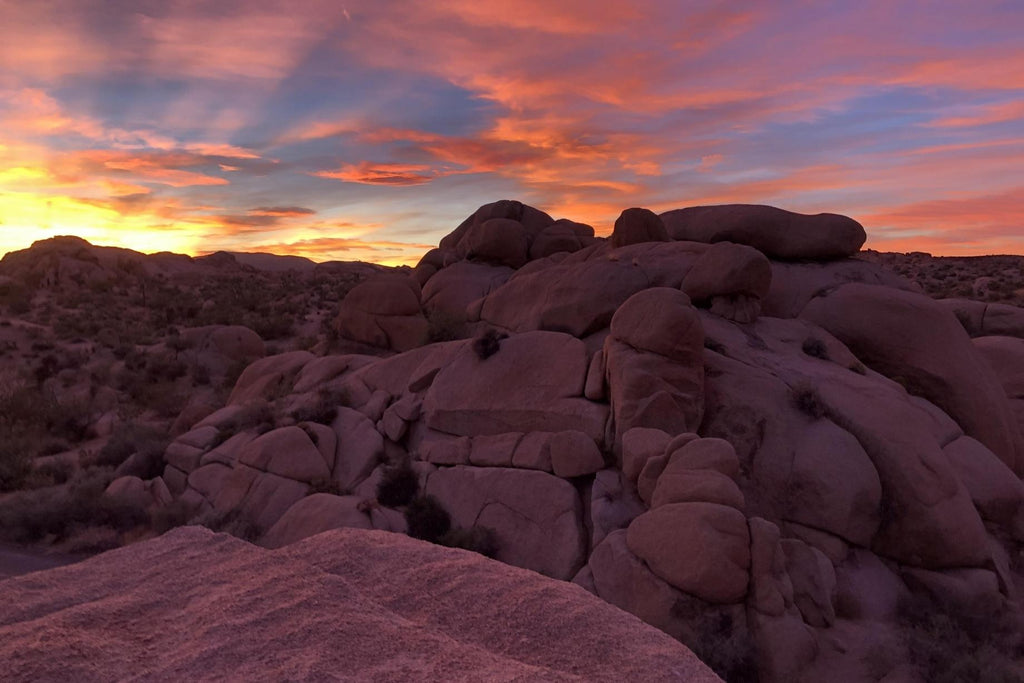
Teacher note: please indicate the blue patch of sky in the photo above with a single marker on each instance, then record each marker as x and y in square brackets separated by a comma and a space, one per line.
[885, 121]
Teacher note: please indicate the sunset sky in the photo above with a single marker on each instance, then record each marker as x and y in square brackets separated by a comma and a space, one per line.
[368, 129]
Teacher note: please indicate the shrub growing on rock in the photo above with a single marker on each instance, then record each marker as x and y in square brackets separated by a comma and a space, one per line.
[808, 402]
[443, 326]
[488, 344]
[233, 522]
[398, 486]
[427, 519]
[813, 346]
[145, 442]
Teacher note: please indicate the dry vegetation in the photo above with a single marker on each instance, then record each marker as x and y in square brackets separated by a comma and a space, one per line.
[994, 279]
[98, 361]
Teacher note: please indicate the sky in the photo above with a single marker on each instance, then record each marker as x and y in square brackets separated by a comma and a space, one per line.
[368, 129]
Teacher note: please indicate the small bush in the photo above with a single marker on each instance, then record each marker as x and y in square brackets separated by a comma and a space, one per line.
[950, 643]
[816, 348]
[234, 522]
[729, 651]
[256, 416]
[33, 515]
[809, 403]
[427, 519]
[488, 344]
[323, 410]
[478, 539]
[15, 463]
[167, 517]
[398, 486]
[130, 439]
[443, 326]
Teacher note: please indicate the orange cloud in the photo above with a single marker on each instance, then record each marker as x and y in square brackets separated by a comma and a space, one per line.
[369, 173]
[282, 211]
[970, 225]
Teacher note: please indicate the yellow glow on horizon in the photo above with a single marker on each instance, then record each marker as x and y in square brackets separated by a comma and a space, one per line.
[26, 218]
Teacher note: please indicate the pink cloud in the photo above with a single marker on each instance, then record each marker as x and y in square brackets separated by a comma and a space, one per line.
[369, 173]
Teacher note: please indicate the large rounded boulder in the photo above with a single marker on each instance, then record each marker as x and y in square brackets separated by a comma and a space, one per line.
[385, 312]
[775, 232]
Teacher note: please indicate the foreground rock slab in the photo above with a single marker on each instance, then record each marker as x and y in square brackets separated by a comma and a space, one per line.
[358, 605]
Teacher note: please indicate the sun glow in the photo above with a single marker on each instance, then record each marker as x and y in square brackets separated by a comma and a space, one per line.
[25, 218]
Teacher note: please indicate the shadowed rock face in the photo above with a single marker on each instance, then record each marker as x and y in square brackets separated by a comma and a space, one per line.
[366, 605]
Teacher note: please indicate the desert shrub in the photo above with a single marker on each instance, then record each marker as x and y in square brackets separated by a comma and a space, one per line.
[427, 519]
[15, 463]
[324, 409]
[275, 326]
[443, 326]
[149, 443]
[165, 367]
[951, 643]
[258, 417]
[164, 398]
[59, 512]
[816, 348]
[478, 539]
[398, 486]
[51, 473]
[166, 517]
[234, 522]
[488, 344]
[808, 402]
[16, 298]
[729, 651]
[30, 411]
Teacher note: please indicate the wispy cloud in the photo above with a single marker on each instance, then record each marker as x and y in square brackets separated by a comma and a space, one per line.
[369, 173]
[257, 124]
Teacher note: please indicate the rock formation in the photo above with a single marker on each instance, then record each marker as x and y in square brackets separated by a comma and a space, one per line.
[359, 605]
[721, 420]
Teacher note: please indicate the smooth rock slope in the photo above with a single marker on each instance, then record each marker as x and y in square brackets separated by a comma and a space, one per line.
[342, 605]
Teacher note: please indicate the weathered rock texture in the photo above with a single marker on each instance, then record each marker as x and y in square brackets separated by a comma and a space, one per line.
[719, 420]
[358, 605]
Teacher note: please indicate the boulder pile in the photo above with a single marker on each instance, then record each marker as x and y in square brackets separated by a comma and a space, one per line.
[718, 419]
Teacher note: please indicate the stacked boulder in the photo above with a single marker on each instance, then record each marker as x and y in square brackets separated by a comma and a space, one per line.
[719, 420]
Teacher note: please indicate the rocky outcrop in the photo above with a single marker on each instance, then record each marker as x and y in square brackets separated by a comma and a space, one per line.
[398, 608]
[732, 430]
[910, 338]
